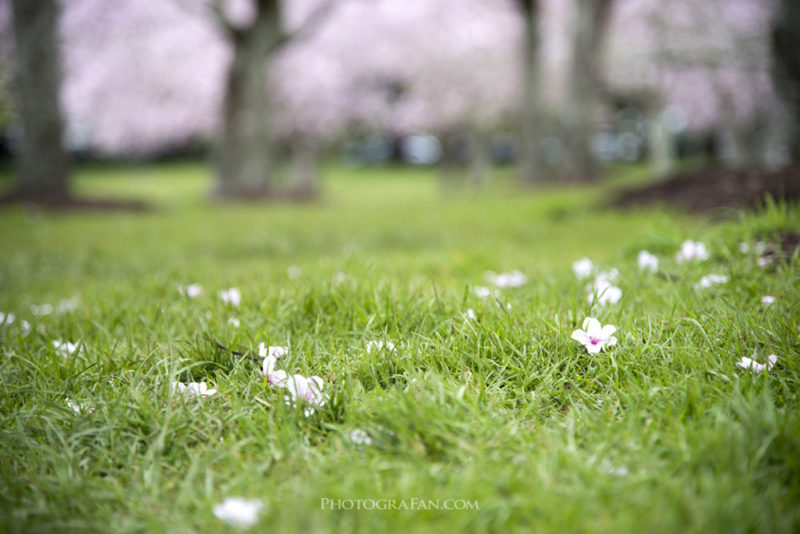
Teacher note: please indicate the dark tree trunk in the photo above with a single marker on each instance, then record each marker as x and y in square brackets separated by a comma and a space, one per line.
[530, 167]
[245, 152]
[43, 167]
[585, 85]
[786, 68]
[480, 158]
[304, 170]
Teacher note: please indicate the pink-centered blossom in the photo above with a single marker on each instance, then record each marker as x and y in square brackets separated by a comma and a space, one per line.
[274, 377]
[306, 392]
[595, 337]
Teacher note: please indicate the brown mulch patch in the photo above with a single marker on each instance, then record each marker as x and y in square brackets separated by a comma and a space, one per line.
[712, 189]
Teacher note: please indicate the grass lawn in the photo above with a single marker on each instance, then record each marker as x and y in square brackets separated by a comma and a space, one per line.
[504, 412]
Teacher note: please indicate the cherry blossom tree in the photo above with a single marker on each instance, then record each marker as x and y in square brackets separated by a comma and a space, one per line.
[697, 66]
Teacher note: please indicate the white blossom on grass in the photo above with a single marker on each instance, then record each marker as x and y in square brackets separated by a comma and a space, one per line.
[754, 366]
[306, 392]
[482, 292]
[193, 389]
[65, 348]
[239, 512]
[231, 296]
[604, 295]
[359, 437]
[602, 290]
[583, 268]
[67, 305]
[692, 251]
[76, 407]
[274, 377]
[6, 318]
[265, 350]
[41, 309]
[759, 248]
[711, 280]
[763, 261]
[647, 261]
[377, 345]
[595, 337]
[506, 280]
[233, 321]
[470, 314]
[767, 300]
[192, 290]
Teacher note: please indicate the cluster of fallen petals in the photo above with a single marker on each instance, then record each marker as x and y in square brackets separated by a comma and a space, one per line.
[301, 391]
[754, 366]
[692, 251]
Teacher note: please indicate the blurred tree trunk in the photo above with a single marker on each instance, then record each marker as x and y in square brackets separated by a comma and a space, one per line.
[43, 172]
[450, 162]
[480, 157]
[661, 154]
[530, 165]
[585, 87]
[304, 170]
[245, 150]
[786, 68]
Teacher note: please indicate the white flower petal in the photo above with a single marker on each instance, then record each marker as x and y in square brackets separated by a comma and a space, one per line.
[607, 331]
[592, 327]
[581, 337]
[242, 513]
[582, 268]
[359, 437]
[231, 296]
